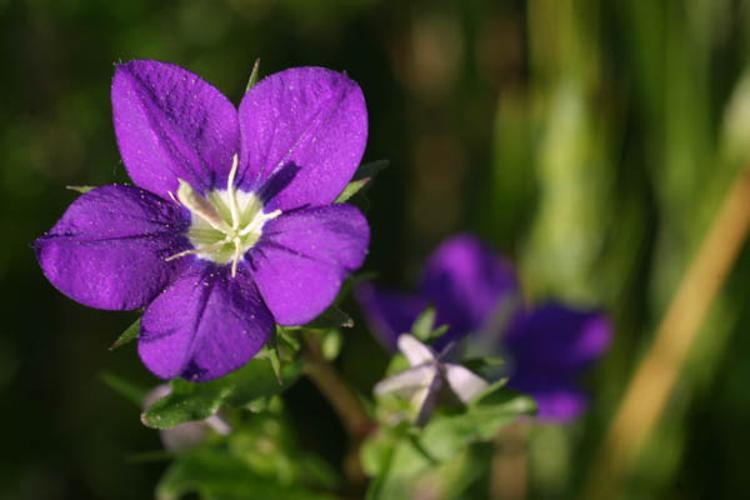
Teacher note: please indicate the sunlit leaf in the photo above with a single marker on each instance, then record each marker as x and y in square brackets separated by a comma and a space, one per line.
[196, 401]
[218, 474]
[254, 75]
[362, 177]
[129, 335]
[446, 435]
[81, 189]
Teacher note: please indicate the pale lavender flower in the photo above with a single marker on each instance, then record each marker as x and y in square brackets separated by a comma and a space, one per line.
[428, 374]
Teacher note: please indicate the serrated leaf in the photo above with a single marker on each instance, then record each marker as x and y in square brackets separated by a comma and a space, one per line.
[81, 189]
[254, 75]
[197, 401]
[129, 391]
[362, 177]
[130, 334]
[447, 435]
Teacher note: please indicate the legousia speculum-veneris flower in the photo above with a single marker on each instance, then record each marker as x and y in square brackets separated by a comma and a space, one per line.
[471, 288]
[230, 226]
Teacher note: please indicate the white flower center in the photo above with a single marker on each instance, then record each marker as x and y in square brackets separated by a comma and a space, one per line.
[225, 223]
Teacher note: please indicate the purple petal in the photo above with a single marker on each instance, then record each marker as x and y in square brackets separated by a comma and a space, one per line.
[557, 339]
[389, 314]
[303, 258]
[303, 135]
[205, 325]
[468, 284]
[171, 124]
[557, 400]
[109, 248]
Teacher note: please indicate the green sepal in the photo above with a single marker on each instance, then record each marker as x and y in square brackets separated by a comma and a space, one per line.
[130, 334]
[254, 75]
[424, 326]
[81, 189]
[270, 352]
[333, 317]
[362, 177]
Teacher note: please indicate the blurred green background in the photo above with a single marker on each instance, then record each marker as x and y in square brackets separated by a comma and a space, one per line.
[590, 141]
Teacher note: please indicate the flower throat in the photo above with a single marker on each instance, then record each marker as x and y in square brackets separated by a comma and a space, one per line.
[225, 224]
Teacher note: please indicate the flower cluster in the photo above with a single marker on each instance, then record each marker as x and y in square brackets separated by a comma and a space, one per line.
[230, 226]
[477, 294]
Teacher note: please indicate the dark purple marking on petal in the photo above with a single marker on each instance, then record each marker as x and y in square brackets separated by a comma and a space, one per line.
[312, 120]
[303, 258]
[468, 284]
[205, 325]
[389, 314]
[172, 124]
[556, 339]
[109, 248]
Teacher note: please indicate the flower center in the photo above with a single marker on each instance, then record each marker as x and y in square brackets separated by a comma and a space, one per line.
[225, 223]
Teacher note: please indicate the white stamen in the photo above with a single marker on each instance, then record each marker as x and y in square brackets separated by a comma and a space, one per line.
[200, 206]
[232, 193]
[196, 251]
[258, 222]
[219, 236]
[237, 255]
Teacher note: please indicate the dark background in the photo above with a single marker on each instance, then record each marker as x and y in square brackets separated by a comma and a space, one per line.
[590, 141]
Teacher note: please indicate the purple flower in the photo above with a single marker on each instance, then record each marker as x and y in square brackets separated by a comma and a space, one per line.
[477, 294]
[230, 226]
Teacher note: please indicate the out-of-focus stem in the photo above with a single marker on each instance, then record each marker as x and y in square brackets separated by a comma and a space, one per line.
[655, 377]
[346, 405]
[344, 402]
[510, 463]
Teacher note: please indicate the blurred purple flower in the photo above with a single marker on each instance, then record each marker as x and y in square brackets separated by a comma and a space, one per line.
[230, 226]
[477, 293]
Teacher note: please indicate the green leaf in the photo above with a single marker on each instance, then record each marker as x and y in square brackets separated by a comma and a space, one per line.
[197, 401]
[287, 336]
[447, 435]
[270, 352]
[331, 344]
[81, 189]
[406, 463]
[376, 452]
[423, 326]
[131, 392]
[218, 474]
[333, 317]
[362, 177]
[129, 335]
[254, 75]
